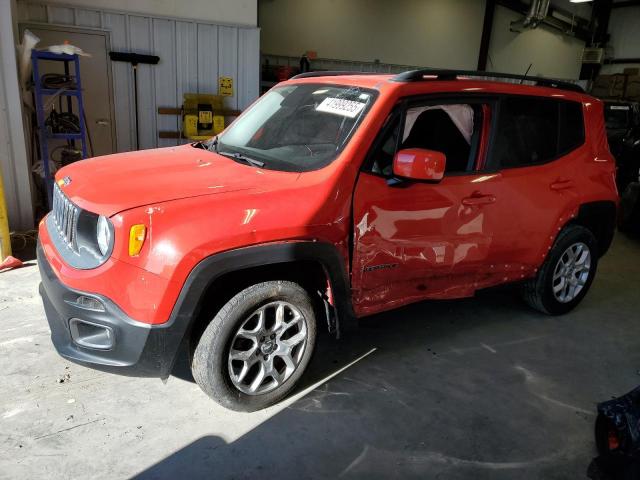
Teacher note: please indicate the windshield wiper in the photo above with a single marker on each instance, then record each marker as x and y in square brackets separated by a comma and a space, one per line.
[206, 145]
[213, 142]
[243, 158]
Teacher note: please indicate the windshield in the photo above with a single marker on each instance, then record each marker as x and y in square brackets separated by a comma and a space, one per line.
[296, 128]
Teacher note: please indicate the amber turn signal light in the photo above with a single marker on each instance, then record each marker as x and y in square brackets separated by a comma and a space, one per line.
[137, 235]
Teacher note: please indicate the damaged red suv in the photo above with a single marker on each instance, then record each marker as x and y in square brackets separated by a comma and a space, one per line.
[334, 196]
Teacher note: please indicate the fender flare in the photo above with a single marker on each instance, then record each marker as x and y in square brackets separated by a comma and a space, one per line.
[601, 218]
[213, 267]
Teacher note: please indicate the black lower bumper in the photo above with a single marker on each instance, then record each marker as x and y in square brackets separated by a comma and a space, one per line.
[135, 348]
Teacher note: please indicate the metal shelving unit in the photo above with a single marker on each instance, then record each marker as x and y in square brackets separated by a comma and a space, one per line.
[42, 93]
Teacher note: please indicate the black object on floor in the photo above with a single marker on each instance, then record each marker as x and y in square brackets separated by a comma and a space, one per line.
[618, 439]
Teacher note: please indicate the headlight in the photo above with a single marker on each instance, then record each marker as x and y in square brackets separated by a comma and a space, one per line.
[103, 234]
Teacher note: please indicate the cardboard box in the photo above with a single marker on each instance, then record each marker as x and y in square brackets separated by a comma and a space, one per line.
[609, 86]
[633, 88]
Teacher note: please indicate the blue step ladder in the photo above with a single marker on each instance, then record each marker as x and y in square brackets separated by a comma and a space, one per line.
[41, 94]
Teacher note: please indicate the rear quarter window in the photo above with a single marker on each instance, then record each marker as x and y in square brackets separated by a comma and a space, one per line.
[535, 130]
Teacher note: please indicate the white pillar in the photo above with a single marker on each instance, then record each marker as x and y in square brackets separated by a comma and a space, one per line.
[13, 151]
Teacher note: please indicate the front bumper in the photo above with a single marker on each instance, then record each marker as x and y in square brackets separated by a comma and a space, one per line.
[135, 348]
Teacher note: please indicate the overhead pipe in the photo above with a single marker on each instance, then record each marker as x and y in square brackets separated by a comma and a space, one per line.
[575, 29]
[537, 13]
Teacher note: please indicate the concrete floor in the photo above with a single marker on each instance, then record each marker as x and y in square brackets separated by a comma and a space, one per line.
[480, 388]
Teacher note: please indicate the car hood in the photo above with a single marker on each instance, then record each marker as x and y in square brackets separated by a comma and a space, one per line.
[113, 183]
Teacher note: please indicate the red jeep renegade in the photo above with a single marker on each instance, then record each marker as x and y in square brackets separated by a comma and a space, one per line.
[334, 196]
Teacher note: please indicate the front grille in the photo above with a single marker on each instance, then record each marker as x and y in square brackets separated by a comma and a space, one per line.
[65, 217]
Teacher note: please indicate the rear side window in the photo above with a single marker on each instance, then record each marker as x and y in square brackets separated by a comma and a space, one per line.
[571, 132]
[531, 131]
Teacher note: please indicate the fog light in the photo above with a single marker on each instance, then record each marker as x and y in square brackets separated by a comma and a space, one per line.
[137, 234]
[91, 335]
[88, 303]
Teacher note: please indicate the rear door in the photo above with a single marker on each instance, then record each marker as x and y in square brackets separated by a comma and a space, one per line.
[539, 151]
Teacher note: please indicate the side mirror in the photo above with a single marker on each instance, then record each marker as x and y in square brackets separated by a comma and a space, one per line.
[419, 164]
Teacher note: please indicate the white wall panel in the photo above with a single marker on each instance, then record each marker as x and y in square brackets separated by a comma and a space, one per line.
[192, 56]
[164, 43]
[61, 15]
[228, 12]
[88, 18]
[117, 24]
[141, 41]
[36, 13]
[207, 59]
[248, 66]
[187, 60]
[228, 60]
[122, 82]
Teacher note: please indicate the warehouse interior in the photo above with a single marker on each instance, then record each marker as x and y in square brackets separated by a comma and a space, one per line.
[481, 387]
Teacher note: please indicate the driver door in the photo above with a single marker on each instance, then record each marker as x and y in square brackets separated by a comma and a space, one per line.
[416, 240]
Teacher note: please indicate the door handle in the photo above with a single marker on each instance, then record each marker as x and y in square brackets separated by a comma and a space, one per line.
[102, 122]
[561, 184]
[478, 199]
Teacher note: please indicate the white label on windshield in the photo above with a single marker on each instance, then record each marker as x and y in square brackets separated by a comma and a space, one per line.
[619, 107]
[340, 106]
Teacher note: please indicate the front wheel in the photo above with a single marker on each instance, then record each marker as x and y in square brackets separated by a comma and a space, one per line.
[566, 275]
[256, 348]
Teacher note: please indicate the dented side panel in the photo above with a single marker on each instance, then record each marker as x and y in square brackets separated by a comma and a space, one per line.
[425, 241]
[416, 242]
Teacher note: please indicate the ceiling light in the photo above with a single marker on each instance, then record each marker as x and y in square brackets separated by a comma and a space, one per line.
[580, 1]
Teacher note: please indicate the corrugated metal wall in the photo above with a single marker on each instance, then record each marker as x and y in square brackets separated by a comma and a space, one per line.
[192, 57]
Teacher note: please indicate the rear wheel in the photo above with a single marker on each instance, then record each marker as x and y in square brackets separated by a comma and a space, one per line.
[256, 348]
[567, 273]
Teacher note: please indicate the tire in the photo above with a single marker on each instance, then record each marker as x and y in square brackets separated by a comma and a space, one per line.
[538, 292]
[227, 362]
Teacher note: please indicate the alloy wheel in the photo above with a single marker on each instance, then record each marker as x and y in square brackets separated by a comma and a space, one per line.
[571, 272]
[267, 348]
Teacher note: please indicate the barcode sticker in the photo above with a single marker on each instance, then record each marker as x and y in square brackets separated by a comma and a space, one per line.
[340, 106]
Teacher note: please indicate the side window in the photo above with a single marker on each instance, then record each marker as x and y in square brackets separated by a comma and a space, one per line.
[535, 130]
[571, 133]
[453, 129]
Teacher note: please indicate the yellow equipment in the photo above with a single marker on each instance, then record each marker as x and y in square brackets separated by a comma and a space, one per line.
[199, 120]
[5, 239]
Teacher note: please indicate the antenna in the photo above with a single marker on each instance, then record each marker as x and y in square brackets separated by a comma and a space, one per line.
[525, 73]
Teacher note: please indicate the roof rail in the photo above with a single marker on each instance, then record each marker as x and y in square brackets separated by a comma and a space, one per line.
[440, 74]
[330, 74]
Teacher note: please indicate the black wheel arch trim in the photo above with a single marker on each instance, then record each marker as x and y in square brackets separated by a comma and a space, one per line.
[601, 218]
[212, 268]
